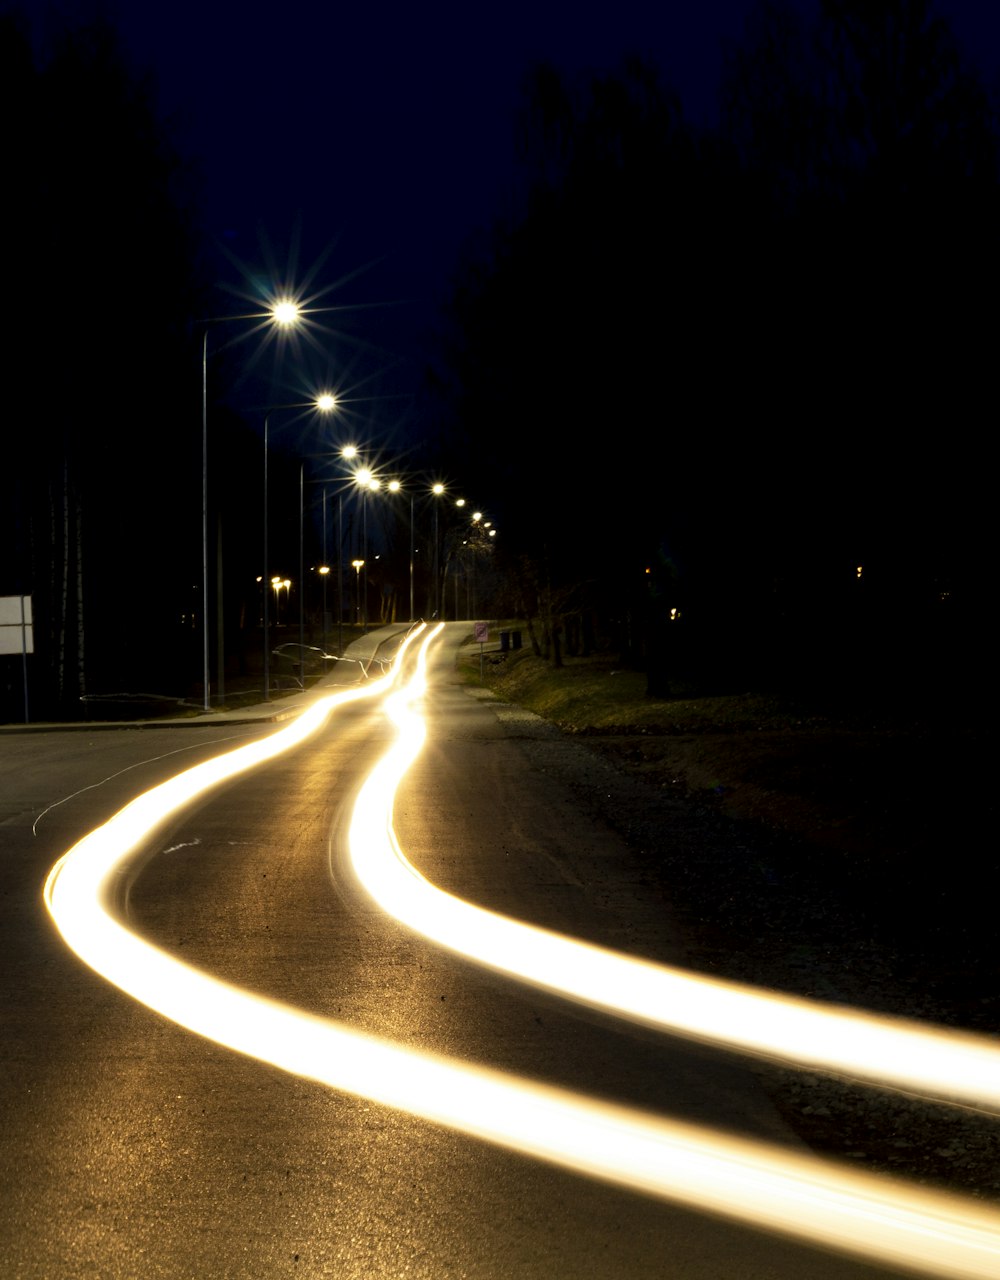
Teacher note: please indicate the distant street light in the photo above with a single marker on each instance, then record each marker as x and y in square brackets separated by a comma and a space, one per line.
[347, 452]
[368, 482]
[277, 584]
[437, 489]
[324, 573]
[324, 403]
[357, 565]
[395, 486]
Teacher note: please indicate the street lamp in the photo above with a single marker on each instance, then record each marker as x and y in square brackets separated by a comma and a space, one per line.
[324, 573]
[277, 584]
[437, 490]
[284, 314]
[369, 483]
[395, 486]
[348, 452]
[324, 403]
[357, 565]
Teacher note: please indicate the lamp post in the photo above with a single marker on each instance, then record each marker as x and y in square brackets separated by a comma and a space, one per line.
[437, 489]
[369, 483]
[277, 584]
[348, 453]
[395, 486]
[324, 573]
[284, 315]
[324, 403]
[357, 565]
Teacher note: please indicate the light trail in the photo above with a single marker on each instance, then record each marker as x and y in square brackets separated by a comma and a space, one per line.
[800, 1196]
[937, 1063]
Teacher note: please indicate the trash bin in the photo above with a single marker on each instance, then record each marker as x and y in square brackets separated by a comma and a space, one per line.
[515, 639]
[504, 641]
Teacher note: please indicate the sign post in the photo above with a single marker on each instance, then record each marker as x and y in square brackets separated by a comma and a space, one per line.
[16, 634]
[481, 633]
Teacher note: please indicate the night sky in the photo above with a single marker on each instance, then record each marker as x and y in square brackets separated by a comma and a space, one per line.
[806, 399]
[367, 143]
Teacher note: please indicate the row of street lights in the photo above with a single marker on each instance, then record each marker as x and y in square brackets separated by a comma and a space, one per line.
[365, 481]
[286, 314]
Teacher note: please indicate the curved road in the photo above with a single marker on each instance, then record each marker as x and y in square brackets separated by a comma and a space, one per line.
[134, 1148]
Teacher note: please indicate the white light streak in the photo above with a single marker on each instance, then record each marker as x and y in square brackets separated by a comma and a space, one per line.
[943, 1064]
[928, 1233]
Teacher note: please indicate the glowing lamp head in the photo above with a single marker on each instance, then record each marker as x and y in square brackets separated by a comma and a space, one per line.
[285, 313]
[326, 403]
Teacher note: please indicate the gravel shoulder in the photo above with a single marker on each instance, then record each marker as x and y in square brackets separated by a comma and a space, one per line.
[817, 854]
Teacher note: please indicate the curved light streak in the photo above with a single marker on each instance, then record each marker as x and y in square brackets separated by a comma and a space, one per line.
[928, 1233]
[946, 1065]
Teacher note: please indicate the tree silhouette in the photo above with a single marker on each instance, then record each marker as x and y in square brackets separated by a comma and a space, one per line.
[720, 372]
[102, 456]
[884, 200]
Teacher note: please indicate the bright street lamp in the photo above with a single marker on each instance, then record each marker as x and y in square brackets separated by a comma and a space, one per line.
[395, 486]
[437, 490]
[284, 314]
[277, 584]
[324, 403]
[369, 483]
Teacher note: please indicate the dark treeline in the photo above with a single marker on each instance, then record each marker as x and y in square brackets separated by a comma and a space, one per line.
[725, 390]
[735, 383]
[98, 488]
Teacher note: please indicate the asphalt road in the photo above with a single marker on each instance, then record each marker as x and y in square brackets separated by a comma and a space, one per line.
[132, 1148]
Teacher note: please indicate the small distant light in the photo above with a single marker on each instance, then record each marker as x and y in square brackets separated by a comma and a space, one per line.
[394, 486]
[438, 488]
[459, 502]
[860, 569]
[349, 451]
[324, 568]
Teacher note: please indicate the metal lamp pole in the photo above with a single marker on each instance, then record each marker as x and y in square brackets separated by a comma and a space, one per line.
[284, 314]
[323, 404]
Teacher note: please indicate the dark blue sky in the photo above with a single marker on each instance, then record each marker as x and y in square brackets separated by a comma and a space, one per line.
[383, 132]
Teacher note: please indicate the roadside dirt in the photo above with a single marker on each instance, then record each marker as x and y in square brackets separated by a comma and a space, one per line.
[859, 872]
[833, 853]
